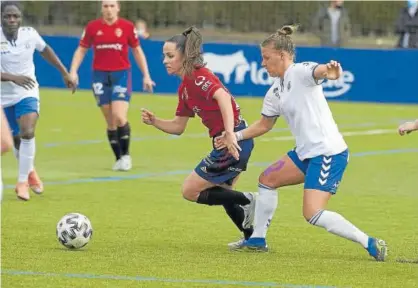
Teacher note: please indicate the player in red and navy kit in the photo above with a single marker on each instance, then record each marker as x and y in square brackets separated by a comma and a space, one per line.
[202, 93]
[111, 37]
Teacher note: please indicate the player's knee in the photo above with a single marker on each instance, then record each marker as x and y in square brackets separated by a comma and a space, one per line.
[27, 133]
[309, 212]
[267, 180]
[119, 120]
[189, 194]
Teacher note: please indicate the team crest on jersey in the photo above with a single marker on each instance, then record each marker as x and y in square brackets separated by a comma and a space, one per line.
[289, 86]
[118, 32]
[99, 33]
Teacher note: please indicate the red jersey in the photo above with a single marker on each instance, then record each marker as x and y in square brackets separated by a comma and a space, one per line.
[196, 97]
[110, 43]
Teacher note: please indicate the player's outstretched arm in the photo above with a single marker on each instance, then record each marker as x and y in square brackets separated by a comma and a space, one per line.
[408, 127]
[141, 60]
[256, 129]
[78, 57]
[49, 55]
[6, 135]
[331, 71]
[174, 126]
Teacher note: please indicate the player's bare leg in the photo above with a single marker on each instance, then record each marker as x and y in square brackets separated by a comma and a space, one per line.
[282, 173]
[120, 117]
[27, 124]
[314, 204]
[112, 135]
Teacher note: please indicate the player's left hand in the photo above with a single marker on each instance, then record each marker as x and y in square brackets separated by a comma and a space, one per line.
[231, 143]
[407, 128]
[148, 84]
[334, 70]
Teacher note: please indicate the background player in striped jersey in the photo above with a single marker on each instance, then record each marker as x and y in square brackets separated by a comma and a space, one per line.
[202, 93]
[20, 91]
[111, 37]
[321, 154]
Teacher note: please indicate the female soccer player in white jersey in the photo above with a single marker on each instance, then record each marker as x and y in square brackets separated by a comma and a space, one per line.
[19, 90]
[321, 154]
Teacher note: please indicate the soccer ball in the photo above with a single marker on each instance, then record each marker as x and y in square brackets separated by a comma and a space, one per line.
[74, 230]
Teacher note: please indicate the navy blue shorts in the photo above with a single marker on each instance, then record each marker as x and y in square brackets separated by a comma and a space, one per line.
[219, 167]
[111, 86]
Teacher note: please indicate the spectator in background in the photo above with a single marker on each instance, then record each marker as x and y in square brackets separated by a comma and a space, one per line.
[332, 24]
[142, 29]
[407, 26]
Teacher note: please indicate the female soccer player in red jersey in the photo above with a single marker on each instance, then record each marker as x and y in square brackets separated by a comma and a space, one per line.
[202, 93]
[111, 37]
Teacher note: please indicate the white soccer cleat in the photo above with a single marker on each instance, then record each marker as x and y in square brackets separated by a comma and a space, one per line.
[117, 165]
[126, 163]
[236, 245]
[249, 211]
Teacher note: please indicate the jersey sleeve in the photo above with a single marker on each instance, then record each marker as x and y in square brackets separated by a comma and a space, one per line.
[306, 71]
[86, 37]
[182, 109]
[133, 40]
[39, 41]
[271, 105]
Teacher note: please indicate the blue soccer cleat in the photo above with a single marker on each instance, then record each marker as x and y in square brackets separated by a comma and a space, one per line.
[377, 248]
[252, 244]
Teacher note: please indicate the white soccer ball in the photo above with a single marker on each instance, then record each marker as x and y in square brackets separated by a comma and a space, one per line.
[74, 230]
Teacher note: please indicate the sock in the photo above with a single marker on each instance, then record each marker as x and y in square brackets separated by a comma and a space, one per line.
[112, 135]
[265, 206]
[26, 158]
[124, 134]
[338, 225]
[16, 153]
[236, 213]
[222, 196]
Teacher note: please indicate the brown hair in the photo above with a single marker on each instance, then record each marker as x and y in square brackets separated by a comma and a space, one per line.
[282, 40]
[189, 43]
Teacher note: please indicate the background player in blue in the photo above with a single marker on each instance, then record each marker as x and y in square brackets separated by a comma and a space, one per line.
[20, 93]
[321, 154]
[111, 37]
[202, 93]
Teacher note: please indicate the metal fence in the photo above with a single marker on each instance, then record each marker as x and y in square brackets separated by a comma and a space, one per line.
[367, 17]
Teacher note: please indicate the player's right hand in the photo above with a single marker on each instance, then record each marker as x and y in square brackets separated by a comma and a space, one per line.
[24, 81]
[147, 117]
[71, 81]
[220, 142]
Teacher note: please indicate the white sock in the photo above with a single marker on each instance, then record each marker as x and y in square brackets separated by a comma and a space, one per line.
[338, 225]
[26, 158]
[265, 206]
[16, 153]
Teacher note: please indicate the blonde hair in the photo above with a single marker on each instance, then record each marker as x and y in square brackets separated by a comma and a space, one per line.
[189, 43]
[282, 40]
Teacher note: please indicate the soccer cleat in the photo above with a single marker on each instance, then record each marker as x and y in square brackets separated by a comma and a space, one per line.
[117, 165]
[256, 245]
[236, 245]
[35, 182]
[22, 191]
[126, 163]
[377, 248]
[249, 211]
